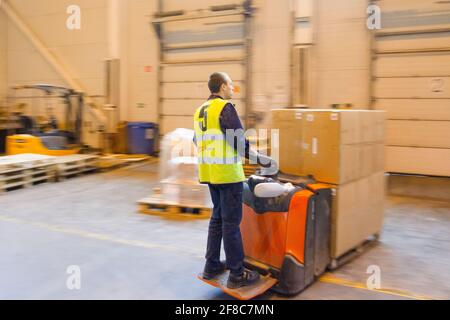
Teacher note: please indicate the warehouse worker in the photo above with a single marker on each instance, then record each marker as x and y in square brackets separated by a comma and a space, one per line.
[219, 136]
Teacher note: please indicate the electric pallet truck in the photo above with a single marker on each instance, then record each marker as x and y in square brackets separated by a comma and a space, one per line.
[285, 233]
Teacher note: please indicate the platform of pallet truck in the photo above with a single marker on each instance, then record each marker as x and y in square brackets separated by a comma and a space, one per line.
[243, 293]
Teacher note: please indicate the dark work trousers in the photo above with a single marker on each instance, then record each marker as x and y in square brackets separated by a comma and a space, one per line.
[225, 224]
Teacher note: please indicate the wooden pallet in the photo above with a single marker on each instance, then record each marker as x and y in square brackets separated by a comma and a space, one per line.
[21, 176]
[20, 171]
[116, 161]
[110, 164]
[127, 157]
[354, 253]
[13, 177]
[74, 165]
[41, 174]
[159, 207]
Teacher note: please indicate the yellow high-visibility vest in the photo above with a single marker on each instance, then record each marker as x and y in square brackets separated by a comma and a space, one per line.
[218, 162]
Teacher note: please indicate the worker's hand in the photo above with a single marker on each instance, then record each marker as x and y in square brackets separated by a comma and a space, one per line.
[264, 161]
[270, 166]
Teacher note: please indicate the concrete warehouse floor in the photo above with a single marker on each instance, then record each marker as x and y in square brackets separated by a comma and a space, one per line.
[91, 221]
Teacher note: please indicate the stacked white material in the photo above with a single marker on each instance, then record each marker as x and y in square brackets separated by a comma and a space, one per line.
[179, 170]
[179, 145]
[25, 160]
[25, 170]
[183, 170]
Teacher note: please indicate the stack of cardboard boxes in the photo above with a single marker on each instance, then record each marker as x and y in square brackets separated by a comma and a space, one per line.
[344, 148]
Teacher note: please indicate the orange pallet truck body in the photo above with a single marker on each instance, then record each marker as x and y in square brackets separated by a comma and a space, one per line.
[286, 238]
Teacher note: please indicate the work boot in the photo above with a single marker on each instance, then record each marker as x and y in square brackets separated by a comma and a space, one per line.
[212, 273]
[248, 277]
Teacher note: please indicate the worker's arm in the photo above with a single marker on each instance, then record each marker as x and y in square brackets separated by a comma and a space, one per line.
[229, 120]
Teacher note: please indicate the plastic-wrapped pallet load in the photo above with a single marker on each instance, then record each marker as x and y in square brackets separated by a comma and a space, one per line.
[182, 170]
[179, 170]
[178, 145]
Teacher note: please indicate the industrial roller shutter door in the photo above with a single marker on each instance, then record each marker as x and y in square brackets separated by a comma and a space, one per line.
[412, 83]
[192, 49]
[181, 96]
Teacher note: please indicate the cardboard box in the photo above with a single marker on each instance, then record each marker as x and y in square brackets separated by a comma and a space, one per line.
[337, 146]
[379, 160]
[379, 127]
[377, 192]
[371, 159]
[344, 219]
[344, 148]
[366, 123]
[371, 126]
[357, 212]
[331, 145]
[289, 122]
[365, 164]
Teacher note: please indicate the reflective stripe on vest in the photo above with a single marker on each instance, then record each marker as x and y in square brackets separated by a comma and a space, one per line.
[215, 160]
[218, 162]
[206, 137]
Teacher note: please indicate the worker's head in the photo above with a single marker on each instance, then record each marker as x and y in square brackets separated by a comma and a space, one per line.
[220, 83]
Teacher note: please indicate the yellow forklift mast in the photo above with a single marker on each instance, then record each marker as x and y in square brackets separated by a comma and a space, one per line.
[53, 142]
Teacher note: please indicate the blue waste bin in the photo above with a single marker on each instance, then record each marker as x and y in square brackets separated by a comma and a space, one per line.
[142, 138]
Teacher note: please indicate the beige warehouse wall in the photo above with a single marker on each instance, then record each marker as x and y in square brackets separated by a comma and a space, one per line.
[82, 51]
[272, 41]
[341, 53]
[271, 54]
[3, 56]
[142, 61]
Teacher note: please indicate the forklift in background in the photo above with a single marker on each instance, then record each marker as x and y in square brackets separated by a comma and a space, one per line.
[49, 138]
